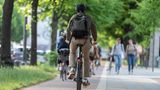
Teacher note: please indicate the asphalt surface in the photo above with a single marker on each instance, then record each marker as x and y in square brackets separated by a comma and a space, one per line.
[141, 79]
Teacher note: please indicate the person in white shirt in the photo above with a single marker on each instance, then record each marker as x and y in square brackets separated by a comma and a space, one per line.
[117, 52]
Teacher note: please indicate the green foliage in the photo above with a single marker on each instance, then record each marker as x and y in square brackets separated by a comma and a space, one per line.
[52, 58]
[13, 79]
[1, 6]
[17, 23]
[147, 19]
[108, 19]
[113, 18]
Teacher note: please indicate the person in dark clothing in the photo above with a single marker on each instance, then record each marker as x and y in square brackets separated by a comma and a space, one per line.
[63, 59]
[62, 43]
[63, 50]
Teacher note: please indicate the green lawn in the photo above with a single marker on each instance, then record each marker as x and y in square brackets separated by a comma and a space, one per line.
[13, 79]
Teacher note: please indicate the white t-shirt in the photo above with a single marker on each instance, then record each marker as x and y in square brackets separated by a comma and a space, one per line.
[118, 49]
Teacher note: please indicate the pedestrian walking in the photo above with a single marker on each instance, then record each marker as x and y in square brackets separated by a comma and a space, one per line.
[131, 52]
[117, 52]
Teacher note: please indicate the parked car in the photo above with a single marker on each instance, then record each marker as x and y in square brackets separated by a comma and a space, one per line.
[17, 55]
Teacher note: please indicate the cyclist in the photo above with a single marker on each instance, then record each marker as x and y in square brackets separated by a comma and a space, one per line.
[62, 43]
[63, 51]
[94, 55]
[79, 31]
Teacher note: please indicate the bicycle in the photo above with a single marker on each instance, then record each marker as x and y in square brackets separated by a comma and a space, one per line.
[63, 72]
[63, 62]
[79, 67]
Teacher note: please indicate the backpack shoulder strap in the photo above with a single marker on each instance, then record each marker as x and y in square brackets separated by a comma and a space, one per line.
[135, 47]
[85, 22]
[122, 47]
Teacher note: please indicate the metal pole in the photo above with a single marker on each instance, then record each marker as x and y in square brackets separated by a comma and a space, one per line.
[24, 39]
[153, 51]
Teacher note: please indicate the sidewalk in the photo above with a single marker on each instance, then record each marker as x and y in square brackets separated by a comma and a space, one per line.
[58, 84]
[142, 79]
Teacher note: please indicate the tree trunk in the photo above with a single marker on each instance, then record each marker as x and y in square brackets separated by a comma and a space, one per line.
[34, 33]
[6, 33]
[54, 31]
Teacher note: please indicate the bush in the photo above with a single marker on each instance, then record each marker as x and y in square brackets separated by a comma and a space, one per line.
[52, 58]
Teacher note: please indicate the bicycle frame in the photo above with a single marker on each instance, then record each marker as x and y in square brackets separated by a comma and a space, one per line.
[79, 67]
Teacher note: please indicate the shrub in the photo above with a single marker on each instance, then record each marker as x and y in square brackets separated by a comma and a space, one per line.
[52, 58]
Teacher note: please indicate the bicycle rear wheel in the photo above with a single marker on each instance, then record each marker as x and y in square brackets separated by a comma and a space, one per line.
[79, 76]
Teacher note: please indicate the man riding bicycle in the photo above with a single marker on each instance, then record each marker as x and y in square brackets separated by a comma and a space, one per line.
[79, 31]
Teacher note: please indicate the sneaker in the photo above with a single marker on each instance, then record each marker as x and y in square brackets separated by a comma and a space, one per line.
[129, 73]
[71, 74]
[132, 72]
[85, 82]
[117, 72]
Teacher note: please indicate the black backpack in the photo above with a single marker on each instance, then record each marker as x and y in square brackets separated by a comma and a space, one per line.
[79, 26]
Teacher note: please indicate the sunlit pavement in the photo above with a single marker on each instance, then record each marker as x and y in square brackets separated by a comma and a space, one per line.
[141, 79]
[58, 84]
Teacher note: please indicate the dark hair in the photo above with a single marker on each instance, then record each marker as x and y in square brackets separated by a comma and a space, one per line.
[80, 7]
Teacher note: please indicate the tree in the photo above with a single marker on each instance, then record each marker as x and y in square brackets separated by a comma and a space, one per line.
[16, 25]
[6, 32]
[56, 14]
[1, 5]
[34, 33]
[147, 19]
[58, 11]
[108, 20]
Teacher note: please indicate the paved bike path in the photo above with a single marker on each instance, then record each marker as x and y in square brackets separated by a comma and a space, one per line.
[142, 79]
[58, 84]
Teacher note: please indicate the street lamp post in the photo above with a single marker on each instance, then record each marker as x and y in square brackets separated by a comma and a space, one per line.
[24, 40]
[153, 58]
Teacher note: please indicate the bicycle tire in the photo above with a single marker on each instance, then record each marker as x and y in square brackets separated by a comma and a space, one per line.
[79, 76]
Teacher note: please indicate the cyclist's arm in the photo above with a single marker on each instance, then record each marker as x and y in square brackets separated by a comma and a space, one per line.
[97, 52]
[94, 32]
[69, 29]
